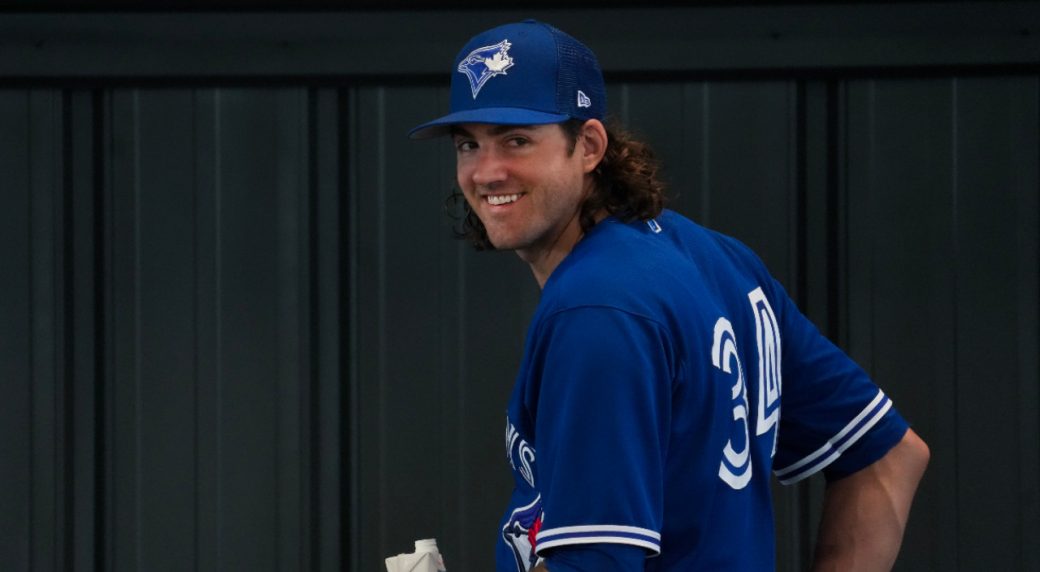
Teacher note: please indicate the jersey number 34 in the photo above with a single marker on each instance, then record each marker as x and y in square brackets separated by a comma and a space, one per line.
[735, 467]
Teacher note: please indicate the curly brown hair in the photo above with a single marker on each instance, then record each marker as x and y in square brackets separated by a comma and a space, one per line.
[626, 185]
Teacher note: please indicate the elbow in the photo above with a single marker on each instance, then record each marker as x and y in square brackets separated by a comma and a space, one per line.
[917, 453]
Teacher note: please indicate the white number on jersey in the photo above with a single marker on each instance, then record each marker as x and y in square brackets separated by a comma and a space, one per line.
[767, 332]
[735, 467]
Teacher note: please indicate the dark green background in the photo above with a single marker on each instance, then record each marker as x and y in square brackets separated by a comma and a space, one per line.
[236, 333]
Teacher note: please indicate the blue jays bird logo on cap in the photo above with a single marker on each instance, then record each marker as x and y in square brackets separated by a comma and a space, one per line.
[485, 63]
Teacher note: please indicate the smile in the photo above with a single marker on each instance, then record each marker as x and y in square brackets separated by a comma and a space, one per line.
[496, 200]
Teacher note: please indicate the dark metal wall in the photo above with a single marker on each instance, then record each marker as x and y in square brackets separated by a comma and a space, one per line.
[238, 336]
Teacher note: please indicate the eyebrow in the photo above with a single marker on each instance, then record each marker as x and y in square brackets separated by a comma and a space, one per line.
[496, 130]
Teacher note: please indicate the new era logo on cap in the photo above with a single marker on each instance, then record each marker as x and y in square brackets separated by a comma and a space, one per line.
[583, 100]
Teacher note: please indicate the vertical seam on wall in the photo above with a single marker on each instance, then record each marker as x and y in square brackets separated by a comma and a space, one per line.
[872, 185]
[56, 216]
[30, 537]
[955, 245]
[136, 260]
[801, 194]
[350, 503]
[705, 190]
[196, 350]
[380, 146]
[347, 451]
[68, 311]
[1036, 315]
[275, 387]
[218, 278]
[1031, 555]
[834, 211]
[804, 549]
[314, 331]
[100, 453]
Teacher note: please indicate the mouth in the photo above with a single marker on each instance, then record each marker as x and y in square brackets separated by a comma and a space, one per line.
[498, 200]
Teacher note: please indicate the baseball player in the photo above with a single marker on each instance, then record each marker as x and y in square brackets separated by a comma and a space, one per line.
[666, 374]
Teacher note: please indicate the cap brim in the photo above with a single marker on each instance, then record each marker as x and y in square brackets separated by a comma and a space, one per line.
[492, 115]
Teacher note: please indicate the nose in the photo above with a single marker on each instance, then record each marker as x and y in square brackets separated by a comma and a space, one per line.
[488, 169]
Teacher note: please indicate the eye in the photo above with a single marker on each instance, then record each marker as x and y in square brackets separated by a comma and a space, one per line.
[463, 145]
[517, 141]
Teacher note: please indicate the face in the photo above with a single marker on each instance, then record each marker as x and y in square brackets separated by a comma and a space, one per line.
[525, 183]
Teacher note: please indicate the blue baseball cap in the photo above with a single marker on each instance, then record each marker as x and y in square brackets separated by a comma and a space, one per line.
[527, 73]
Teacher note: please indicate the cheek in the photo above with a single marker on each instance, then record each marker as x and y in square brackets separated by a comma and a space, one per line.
[571, 189]
[462, 179]
[467, 192]
[460, 176]
[471, 201]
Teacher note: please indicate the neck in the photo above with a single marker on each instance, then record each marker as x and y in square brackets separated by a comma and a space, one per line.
[543, 261]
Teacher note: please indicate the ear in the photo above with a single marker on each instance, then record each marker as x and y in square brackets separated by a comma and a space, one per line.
[592, 144]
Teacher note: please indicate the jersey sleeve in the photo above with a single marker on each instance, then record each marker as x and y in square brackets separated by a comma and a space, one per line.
[834, 418]
[601, 426]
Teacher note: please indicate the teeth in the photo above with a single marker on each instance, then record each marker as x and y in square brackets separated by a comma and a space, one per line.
[502, 199]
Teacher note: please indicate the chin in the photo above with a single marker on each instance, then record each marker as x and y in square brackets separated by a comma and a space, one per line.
[504, 243]
[500, 244]
[500, 240]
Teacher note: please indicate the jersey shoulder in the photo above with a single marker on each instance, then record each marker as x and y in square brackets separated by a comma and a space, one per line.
[643, 266]
[625, 266]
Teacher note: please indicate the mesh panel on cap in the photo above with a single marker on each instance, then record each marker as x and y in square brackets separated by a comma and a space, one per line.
[572, 59]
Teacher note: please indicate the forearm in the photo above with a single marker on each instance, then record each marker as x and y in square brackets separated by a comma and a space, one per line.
[865, 514]
[599, 557]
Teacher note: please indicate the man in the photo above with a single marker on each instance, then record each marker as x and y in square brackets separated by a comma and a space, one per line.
[665, 374]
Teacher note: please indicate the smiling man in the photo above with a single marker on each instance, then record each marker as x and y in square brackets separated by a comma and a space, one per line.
[527, 183]
[666, 374]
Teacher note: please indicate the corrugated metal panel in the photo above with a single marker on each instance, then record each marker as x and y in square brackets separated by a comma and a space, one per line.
[995, 225]
[712, 38]
[33, 454]
[238, 333]
[213, 388]
[942, 300]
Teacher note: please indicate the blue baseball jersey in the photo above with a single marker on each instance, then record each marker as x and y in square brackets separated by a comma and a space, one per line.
[666, 376]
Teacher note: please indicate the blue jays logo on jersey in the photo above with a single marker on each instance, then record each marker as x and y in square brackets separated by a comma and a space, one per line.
[521, 455]
[520, 531]
[485, 63]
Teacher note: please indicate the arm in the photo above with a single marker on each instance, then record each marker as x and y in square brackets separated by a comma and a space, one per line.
[602, 557]
[865, 513]
[601, 411]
